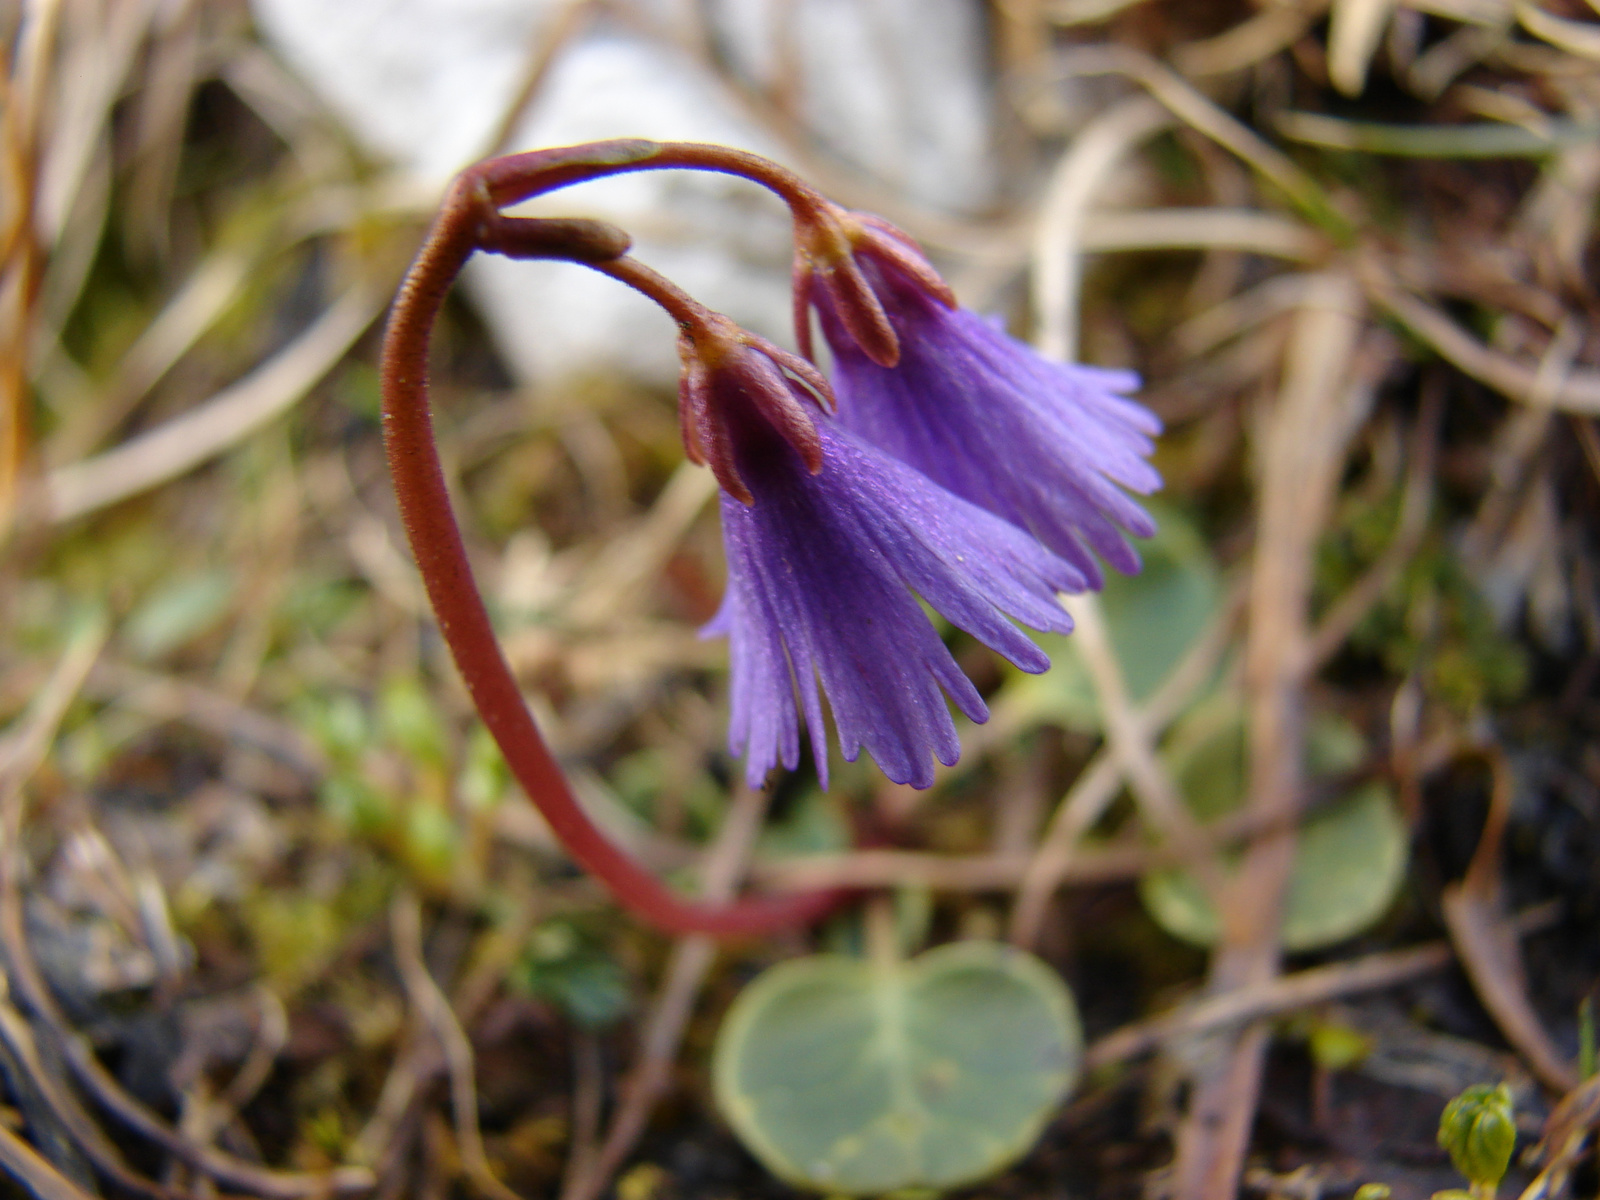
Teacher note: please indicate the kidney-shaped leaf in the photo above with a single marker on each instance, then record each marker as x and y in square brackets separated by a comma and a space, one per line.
[1350, 861]
[855, 1077]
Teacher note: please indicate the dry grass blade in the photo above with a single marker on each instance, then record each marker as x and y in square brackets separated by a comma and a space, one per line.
[1580, 38]
[1488, 948]
[197, 305]
[1201, 229]
[908, 868]
[1195, 110]
[1085, 12]
[96, 52]
[405, 923]
[1282, 994]
[1286, 993]
[221, 422]
[1354, 32]
[1578, 393]
[1058, 239]
[1495, 139]
[1469, 12]
[35, 1173]
[1274, 28]
[1489, 954]
[1324, 395]
[1105, 863]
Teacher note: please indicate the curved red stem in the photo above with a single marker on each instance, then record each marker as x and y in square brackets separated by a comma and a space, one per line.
[441, 558]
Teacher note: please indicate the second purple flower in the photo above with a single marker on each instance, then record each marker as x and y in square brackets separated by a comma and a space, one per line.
[1047, 446]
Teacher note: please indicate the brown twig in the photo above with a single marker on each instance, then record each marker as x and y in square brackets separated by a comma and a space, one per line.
[433, 1007]
[691, 961]
[1287, 993]
[1474, 915]
[1578, 393]
[1302, 444]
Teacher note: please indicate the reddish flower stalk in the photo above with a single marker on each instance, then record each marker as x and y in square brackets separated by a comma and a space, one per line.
[469, 220]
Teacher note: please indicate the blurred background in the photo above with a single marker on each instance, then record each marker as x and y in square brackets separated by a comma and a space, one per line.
[257, 850]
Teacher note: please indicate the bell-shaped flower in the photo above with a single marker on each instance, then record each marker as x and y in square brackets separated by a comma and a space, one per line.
[1047, 446]
[830, 543]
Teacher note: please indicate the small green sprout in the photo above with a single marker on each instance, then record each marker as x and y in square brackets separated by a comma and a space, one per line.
[1478, 1130]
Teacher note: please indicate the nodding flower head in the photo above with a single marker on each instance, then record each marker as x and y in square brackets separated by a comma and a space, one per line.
[1047, 446]
[733, 382]
[829, 544]
[958, 478]
[836, 251]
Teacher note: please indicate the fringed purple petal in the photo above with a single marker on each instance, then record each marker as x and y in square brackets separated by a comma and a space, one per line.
[821, 575]
[1046, 446]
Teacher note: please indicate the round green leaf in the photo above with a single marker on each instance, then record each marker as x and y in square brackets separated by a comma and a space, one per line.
[1155, 617]
[1349, 862]
[1153, 620]
[1350, 857]
[855, 1077]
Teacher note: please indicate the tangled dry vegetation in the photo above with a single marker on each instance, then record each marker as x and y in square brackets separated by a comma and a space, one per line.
[274, 923]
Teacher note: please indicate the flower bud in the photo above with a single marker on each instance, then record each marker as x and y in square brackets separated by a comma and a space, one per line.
[1478, 1130]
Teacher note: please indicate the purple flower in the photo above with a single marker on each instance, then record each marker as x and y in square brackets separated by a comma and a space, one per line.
[829, 543]
[821, 574]
[1043, 445]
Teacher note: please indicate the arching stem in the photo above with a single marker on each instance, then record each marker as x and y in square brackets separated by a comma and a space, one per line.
[469, 220]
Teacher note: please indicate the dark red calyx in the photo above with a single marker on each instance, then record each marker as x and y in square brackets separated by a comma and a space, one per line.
[729, 375]
[825, 248]
[894, 248]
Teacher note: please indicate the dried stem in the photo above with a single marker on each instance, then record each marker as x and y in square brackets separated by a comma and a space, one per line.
[1304, 437]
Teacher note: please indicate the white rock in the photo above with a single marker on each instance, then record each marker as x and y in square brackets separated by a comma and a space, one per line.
[895, 88]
